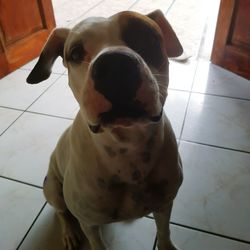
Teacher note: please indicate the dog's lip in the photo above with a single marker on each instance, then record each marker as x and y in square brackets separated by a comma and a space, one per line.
[95, 128]
[125, 122]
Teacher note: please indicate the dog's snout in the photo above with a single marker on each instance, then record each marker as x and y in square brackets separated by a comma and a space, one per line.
[116, 74]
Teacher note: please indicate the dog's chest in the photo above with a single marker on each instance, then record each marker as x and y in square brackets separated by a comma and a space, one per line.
[126, 191]
[115, 200]
[112, 182]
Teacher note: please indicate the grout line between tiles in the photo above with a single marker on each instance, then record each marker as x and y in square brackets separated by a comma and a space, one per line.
[186, 110]
[202, 39]
[84, 13]
[208, 94]
[170, 7]
[25, 110]
[44, 114]
[217, 95]
[12, 123]
[21, 182]
[215, 146]
[155, 242]
[211, 233]
[56, 73]
[17, 109]
[180, 90]
[52, 84]
[133, 4]
[31, 226]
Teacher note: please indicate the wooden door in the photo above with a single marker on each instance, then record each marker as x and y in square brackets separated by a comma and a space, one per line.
[231, 48]
[24, 28]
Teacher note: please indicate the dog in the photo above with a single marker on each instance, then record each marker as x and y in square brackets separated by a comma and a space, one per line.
[119, 159]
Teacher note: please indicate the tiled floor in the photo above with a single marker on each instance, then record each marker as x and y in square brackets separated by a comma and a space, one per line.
[210, 111]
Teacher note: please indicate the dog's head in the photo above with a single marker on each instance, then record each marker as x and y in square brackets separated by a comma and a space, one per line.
[117, 66]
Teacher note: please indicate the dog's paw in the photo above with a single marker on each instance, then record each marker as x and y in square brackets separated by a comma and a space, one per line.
[71, 239]
[167, 247]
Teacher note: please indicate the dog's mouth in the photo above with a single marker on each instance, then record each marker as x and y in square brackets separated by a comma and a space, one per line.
[117, 118]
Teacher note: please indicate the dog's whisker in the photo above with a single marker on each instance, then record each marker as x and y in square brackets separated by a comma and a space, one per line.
[156, 74]
[162, 85]
[85, 62]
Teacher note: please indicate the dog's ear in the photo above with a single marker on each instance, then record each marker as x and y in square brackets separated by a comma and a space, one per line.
[172, 44]
[52, 49]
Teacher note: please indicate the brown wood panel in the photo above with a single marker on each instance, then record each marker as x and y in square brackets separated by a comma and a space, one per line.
[23, 31]
[231, 49]
[241, 26]
[20, 23]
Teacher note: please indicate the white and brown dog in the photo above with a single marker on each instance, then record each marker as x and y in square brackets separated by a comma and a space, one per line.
[119, 159]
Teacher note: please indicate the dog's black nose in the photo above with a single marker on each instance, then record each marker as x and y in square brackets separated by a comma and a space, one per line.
[116, 74]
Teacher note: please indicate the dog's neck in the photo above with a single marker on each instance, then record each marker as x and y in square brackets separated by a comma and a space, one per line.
[134, 138]
[123, 150]
[127, 152]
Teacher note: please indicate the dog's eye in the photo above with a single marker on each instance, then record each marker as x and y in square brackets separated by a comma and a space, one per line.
[77, 54]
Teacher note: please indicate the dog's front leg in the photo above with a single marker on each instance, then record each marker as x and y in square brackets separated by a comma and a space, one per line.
[94, 236]
[162, 219]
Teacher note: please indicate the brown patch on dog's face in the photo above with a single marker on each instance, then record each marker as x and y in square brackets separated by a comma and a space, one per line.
[143, 36]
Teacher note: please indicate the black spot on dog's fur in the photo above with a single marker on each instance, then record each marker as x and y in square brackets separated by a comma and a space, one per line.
[158, 189]
[115, 183]
[146, 157]
[132, 166]
[137, 197]
[151, 196]
[136, 175]
[115, 214]
[123, 150]
[150, 142]
[109, 151]
[101, 183]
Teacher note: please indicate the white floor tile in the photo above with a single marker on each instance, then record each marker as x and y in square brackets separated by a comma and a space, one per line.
[16, 93]
[46, 234]
[216, 189]
[106, 8]
[66, 11]
[138, 234]
[175, 108]
[57, 68]
[7, 116]
[218, 121]
[25, 148]
[212, 79]
[146, 6]
[187, 239]
[60, 100]
[181, 75]
[19, 206]
[188, 19]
